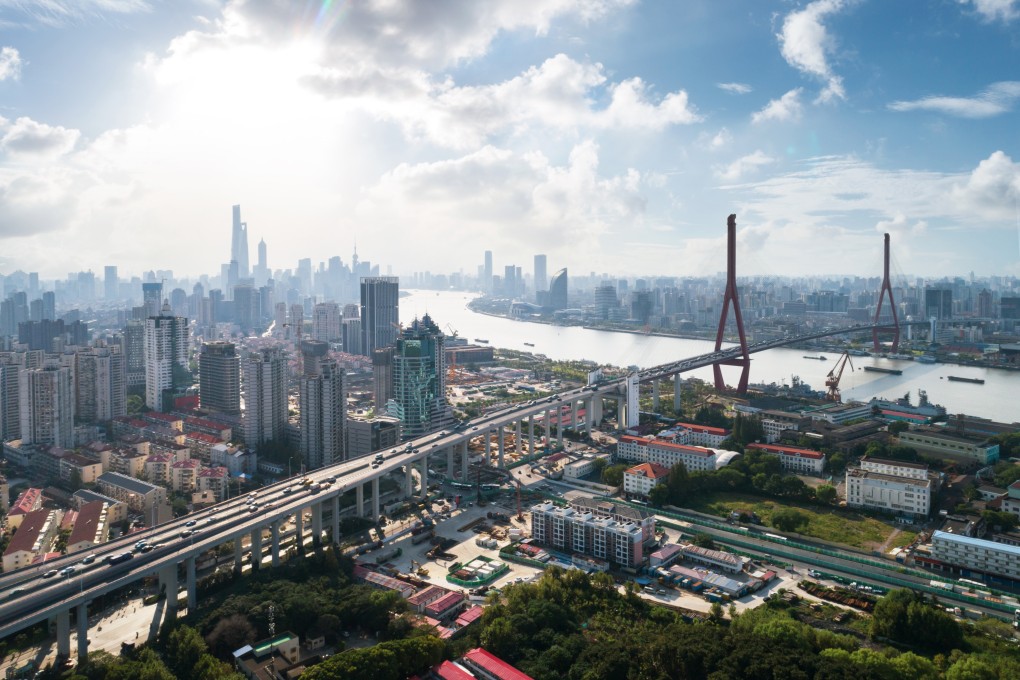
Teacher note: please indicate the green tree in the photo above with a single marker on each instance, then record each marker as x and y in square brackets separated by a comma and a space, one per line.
[788, 519]
[658, 495]
[826, 494]
[898, 427]
[703, 540]
[613, 475]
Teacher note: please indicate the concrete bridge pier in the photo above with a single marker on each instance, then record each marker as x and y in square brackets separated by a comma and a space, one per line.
[518, 442]
[168, 584]
[408, 482]
[424, 491]
[359, 500]
[596, 412]
[82, 613]
[655, 395]
[299, 529]
[316, 524]
[488, 451]
[191, 583]
[256, 547]
[502, 448]
[449, 462]
[676, 393]
[573, 414]
[336, 519]
[276, 543]
[64, 633]
[531, 436]
[559, 424]
[547, 421]
[238, 555]
[464, 458]
[375, 497]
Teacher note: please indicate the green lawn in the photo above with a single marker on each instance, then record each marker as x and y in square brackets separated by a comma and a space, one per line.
[839, 526]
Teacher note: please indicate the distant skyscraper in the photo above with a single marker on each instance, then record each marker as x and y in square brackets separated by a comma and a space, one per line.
[10, 413]
[46, 400]
[382, 376]
[111, 285]
[246, 307]
[261, 272]
[166, 358]
[326, 322]
[541, 279]
[558, 290]
[323, 406]
[380, 320]
[938, 303]
[297, 321]
[133, 344]
[219, 378]
[351, 336]
[487, 272]
[101, 384]
[152, 298]
[49, 299]
[265, 397]
[239, 243]
[419, 380]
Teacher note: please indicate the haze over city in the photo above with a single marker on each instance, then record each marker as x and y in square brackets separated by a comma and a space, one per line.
[613, 135]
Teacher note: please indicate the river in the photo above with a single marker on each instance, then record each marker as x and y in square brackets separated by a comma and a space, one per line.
[997, 399]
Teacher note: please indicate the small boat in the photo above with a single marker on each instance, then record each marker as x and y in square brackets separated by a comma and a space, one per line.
[482, 341]
[529, 344]
[819, 358]
[926, 359]
[877, 369]
[976, 381]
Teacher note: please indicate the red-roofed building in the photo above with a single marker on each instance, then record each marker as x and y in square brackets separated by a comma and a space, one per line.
[445, 607]
[701, 435]
[668, 454]
[201, 444]
[184, 475]
[214, 480]
[68, 520]
[88, 469]
[32, 539]
[642, 478]
[794, 458]
[206, 426]
[491, 667]
[157, 468]
[90, 527]
[167, 420]
[451, 671]
[425, 597]
[28, 501]
[469, 616]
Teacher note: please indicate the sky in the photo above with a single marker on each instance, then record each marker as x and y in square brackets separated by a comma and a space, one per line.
[614, 136]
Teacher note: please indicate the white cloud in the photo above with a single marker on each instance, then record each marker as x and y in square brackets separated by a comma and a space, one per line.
[992, 189]
[900, 225]
[734, 88]
[805, 44]
[995, 10]
[744, 165]
[10, 63]
[996, 99]
[62, 12]
[28, 138]
[495, 198]
[716, 141]
[786, 108]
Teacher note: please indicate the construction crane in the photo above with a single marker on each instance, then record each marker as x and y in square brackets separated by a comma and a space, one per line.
[832, 380]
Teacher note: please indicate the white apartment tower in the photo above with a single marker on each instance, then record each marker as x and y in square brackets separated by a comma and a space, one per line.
[166, 357]
[46, 401]
[323, 407]
[265, 396]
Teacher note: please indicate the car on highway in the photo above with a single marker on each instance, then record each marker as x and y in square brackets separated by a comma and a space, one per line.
[51, 573]
[288, 490]
[148, 548]
[89, 559]
[118, 558]
[67, 571]
[186, 533]
[211, 519]
[191, 523]
[315, 488]
[253, 508]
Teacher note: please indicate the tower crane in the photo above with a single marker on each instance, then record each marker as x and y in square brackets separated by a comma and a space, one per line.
[832, 380]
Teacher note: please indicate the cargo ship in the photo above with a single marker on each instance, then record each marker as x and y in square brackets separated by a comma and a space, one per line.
[529, 344]
[484, 342]
[820, 358]
[976, 381]
[877, 369]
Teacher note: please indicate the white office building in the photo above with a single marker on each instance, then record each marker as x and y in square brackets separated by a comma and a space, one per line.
[975, 554]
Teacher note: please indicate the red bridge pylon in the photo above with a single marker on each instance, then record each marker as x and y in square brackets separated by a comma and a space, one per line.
[731, 296]
[892, 305]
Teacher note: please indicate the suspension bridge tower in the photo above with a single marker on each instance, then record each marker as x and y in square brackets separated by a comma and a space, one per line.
[886, 287]
[744, 359]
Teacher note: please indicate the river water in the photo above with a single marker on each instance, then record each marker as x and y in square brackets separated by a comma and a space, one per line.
[998, 399]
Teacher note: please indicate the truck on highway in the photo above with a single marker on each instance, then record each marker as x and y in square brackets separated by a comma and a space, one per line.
[118, 558]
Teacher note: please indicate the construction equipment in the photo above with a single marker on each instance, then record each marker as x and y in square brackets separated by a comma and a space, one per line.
[832, 380]
[418, 568]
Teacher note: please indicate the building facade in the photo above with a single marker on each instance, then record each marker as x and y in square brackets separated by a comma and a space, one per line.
[219, 378]
[101, 384]
[641, 479]
[794, 458]
[601, 537]
[419, 380]
[902, 488]
[323, 407]
[380, 319]
[975, 554]
[46, 402]
[166, 358]
[938, 443]
[265, 397]
[668, 454]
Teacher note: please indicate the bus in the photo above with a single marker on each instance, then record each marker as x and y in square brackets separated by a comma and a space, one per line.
[972, 584]
[460, 485]
[776, 537]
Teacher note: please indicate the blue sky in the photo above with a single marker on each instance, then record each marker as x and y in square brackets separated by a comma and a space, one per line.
[613, 135]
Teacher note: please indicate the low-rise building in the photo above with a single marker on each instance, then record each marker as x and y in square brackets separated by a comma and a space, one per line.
[582, 467]
[88, 469]
[139, 495]
[215, 481]
[490, 667]
[116, 511]
[157, 467]
[938, 443]
[1011, 501]
[896, 468]
[700, 435]
[774, 423]
[906, 495]
[32, 539]
[641, 479]
[793, 458]
[184, 475]
[837, 414]
[29, 501]
[624, 514]
[365, 435]
[90, 528]
[601, 537]
[668, 454]
[238, 460]
[975, 554]
[446, 607]
[717, 559]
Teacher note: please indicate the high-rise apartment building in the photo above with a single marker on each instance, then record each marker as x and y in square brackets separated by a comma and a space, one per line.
[380, 319]
[133, 344]
[10, 413]
[166, 358]
[382, 376]
[46, 401]
[152, 298]
[265, 396]
[323, 406]
[938, 303]
[219, 378]
[101, 384]
[297, 321]
[541, 278]
[111, 284]
[419, 380]
[326, 322]
[239, 243]
[558, 290]
[487, 272]
[351, 336]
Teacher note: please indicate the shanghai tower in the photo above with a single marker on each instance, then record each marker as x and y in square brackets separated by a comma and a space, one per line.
[239, 244]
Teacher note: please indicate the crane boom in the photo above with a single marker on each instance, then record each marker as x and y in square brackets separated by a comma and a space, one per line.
[832, 380]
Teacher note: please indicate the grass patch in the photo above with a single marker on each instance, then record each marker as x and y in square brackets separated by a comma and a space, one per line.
[904, 539]
[838, 526]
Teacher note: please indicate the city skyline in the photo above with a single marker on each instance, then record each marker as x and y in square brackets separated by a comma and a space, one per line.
[612, 136]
